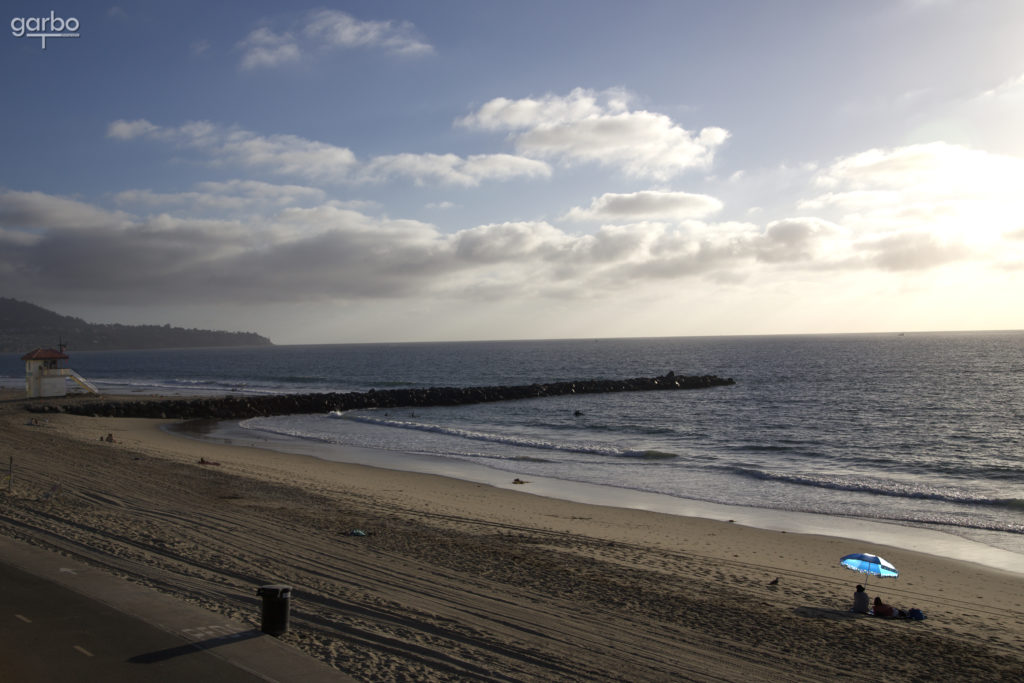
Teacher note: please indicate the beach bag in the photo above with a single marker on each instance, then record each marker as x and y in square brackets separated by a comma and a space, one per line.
[915, 613]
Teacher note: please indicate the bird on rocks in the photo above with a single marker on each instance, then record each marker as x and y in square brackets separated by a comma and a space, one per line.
[775, 582]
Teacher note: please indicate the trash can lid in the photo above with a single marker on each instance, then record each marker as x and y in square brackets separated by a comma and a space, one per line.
[275, 590]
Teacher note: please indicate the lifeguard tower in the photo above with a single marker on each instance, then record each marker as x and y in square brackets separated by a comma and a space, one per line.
[45, 374]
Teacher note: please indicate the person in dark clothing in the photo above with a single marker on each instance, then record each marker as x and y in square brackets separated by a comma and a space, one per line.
[861, 601]
[882, 609]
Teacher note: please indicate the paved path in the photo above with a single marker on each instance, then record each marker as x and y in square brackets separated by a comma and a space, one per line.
[61, 620]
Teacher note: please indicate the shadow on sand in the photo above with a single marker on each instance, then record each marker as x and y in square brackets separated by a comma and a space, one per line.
[189, 648]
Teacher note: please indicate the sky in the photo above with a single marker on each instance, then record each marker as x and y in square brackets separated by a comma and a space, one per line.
[464, 169]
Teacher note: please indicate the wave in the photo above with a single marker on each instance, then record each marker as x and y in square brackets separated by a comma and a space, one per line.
[508, 440]
[258, 424]
[879, 488]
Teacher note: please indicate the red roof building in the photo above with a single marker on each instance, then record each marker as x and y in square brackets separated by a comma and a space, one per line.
[44, 354]
[44, 374]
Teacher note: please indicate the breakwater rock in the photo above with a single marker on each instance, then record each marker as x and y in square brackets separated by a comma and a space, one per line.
[242, 407]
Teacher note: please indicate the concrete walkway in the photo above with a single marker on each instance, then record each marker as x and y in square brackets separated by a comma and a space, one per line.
[61, 620]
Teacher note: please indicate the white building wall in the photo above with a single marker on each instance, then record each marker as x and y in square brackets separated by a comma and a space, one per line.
[38, 384]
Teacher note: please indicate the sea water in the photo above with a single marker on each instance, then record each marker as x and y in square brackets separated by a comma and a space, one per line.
[923, 430]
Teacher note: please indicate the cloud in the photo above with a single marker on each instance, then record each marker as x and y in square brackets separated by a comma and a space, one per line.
[228, 196]
[281, 154]
[205, 244]
[939, 187]
[505, 242]
[37, 210]
[927, 169]
[614, 244]
[646, 205]
[590, 127]
[801, 239]
[451, 169]
[1010, 90]
[504, 114]
[923, 206]
[326, 251]
[338, 29]
[912, 251]
[129, 130]
[18, 238]
[325, 30]
[264, 48]
[320, 161]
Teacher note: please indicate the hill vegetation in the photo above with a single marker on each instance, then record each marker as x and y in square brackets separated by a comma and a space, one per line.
[25, 326]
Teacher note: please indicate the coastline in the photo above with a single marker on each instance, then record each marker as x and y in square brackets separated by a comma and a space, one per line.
[867, 532]
[457, 579]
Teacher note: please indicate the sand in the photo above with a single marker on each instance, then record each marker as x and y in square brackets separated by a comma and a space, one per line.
[462, 581]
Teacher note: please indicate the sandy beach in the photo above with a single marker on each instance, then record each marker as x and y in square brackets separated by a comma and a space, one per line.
[462, 581]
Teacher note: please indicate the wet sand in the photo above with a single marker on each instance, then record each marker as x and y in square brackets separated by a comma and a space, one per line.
[458, 580]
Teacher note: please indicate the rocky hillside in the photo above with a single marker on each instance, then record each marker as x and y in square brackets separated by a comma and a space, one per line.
[25, 326]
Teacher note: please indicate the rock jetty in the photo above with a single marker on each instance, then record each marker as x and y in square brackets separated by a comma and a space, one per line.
[242, 407]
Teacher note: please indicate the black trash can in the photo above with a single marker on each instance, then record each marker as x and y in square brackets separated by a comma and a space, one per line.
[276, 603]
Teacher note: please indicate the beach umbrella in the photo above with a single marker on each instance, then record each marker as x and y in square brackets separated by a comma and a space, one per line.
[872, 565]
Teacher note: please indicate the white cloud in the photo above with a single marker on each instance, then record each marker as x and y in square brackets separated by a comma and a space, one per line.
[1010, 90]
[320, 161]
[283, 154]
[933, 168]
[924, 206]
[324, 30]
[128, 130]
[452, 169]
[255, 189]
[504, 242]
[264, 48]
[949, 191]
[338, 29]
[289, 154]
[504, 114]
[646, 205]
[585, 126]
[614, 244]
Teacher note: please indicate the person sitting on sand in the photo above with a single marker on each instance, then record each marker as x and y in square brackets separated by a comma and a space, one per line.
[882, 609]
[861, 601]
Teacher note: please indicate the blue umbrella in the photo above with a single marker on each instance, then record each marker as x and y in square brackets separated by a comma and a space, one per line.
[873, 565]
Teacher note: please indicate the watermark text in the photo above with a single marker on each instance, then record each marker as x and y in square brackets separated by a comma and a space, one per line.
[45, 27]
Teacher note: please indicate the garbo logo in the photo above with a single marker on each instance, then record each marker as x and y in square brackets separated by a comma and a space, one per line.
[44, 27]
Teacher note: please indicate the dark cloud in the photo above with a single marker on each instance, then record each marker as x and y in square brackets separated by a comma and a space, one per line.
[912, 251]
[794, 239]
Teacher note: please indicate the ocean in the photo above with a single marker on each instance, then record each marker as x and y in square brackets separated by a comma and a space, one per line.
[847, 434]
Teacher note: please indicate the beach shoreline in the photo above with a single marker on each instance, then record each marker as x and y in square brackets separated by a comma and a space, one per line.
[930, 540]
[457, 580]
